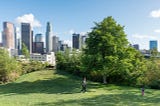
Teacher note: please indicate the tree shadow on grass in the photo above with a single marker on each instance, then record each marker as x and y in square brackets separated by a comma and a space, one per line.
[63, 84]
[108, 100]
[49, 86]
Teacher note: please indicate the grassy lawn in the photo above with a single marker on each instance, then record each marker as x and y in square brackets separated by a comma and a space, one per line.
[48, 88]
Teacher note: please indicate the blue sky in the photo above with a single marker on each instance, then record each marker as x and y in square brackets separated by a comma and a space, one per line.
[141, 18]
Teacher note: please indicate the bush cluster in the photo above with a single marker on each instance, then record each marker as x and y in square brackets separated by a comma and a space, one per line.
[11, 69]
[69, 61]
[147, 73]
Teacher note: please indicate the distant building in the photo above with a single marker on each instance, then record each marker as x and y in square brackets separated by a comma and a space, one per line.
[76, 41]
[38, 47]
[136, 46]
[15, 38]
[39, 38]
[60, 42]
[1, 44]
[27, 35]
[13, 52]
[8, 35]
[50, 58]
[64, 47]
[55, 44]
[19, 46]
[146, 53]
[49, 35]
[83, 40]
[153, 44]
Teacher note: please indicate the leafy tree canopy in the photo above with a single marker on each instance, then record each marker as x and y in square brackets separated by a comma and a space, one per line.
[108, 51]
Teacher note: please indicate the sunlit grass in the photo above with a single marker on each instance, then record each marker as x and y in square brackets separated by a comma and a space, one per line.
[48, 88]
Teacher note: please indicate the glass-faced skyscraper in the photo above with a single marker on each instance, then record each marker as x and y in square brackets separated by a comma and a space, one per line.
[76, 41]
[55, 44]
[27, 35]
[8, 35]
[38, 45]
[153, 44]
[49, 35]
[39, 38]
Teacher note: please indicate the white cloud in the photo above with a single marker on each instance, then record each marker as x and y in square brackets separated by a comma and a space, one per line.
[142, 40]
[140, 36]
[155, 13]
[83, 33]
[157, 30]
[17, 29]
[28, 18]
[71, 31]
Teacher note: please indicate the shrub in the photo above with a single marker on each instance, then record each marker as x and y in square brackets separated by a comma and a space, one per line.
[10, 69]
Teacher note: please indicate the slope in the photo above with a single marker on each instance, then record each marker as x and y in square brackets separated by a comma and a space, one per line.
[48, 88]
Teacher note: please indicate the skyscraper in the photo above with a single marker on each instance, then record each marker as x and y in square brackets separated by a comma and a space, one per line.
[49, 34]
[38, 45]
[8, 35]
[76, 41]
[15, 38]
[27, 35]
[39, 38]
[83, 40]
[153, 44]
[55, 43]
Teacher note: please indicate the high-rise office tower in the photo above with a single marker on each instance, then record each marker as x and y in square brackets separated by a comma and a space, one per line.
[60, 42]
[76, 41]
[49, 34]
[38, 45]
[8, 35]
[19, 45]
[39, 38]
[15, 38]
[83, 41]
[27, 35]
[153, 44]
[55, 44]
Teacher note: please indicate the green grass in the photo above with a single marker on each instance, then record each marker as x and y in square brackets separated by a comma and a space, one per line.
[47, 88]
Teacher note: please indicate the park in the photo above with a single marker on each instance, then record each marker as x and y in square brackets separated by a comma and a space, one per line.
[115, 73]
[49, 88]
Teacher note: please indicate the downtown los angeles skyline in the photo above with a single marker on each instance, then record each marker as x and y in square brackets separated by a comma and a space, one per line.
[141, 18]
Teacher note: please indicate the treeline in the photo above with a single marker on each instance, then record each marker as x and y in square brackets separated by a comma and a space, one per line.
[11, 69]
[108, 58]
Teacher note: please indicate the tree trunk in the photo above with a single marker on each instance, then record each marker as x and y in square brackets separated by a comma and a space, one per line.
[104, 79]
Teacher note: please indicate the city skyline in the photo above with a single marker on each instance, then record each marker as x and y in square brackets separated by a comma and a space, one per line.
[140, 18]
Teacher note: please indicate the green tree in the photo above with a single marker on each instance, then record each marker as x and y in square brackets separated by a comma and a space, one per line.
[108, 52]
[10, 69]
[25, 51]
[69, 61]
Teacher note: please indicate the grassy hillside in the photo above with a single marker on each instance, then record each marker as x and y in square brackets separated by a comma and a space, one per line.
[47, 88]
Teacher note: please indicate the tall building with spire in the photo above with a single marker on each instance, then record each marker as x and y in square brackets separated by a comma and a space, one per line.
[8, 35]
[27, 35]
[49, 35]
